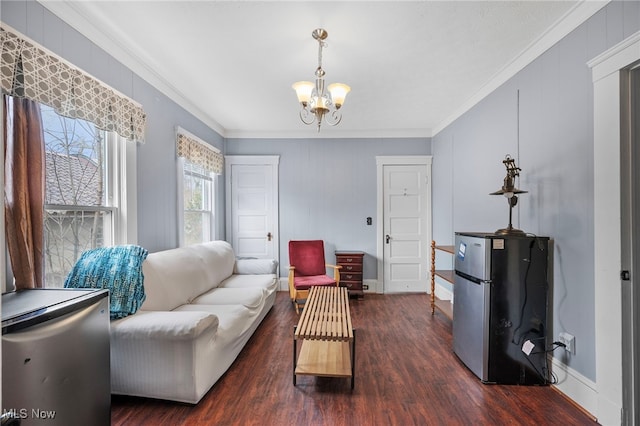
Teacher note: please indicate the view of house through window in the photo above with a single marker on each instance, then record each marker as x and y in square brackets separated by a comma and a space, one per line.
[78, 211]
[198, 193]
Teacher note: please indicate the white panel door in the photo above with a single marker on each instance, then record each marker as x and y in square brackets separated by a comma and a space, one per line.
[252, 211]
[406, 231]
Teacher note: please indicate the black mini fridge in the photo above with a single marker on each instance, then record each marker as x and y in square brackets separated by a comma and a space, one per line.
[500, 307]
[56, 357]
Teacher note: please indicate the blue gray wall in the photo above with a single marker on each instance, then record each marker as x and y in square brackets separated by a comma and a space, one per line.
[328, 189]
[156, 160]
[543, 117]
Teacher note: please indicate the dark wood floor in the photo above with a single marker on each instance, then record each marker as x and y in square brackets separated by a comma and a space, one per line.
[406, 373]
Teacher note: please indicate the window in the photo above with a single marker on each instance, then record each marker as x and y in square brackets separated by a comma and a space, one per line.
[90, 174]
[198, 193]
[85, 191]
[199, 163]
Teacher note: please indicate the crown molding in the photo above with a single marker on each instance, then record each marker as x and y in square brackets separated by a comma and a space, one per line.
[562, 27]
[145, 67]
[137, 62]
[312, 133]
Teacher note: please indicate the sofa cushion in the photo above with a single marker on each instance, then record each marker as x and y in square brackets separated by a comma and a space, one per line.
[163, 325]
[219, 259]
[255, 266]
[305, 283]
[234, 320]
[267, 282]
[252, 298]
[175, 277]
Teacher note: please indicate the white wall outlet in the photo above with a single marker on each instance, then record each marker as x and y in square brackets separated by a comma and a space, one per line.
[569, 342]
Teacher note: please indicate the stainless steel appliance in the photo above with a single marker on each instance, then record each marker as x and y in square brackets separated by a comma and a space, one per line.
[55, 357]
[500, 312]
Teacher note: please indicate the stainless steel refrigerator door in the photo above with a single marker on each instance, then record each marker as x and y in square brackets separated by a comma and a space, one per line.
[57, 372]
[471, 324]
[473, 256]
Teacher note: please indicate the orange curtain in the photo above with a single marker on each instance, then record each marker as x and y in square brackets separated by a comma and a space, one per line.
[24, 168]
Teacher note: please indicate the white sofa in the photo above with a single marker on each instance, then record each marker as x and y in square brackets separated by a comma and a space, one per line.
[202, 306]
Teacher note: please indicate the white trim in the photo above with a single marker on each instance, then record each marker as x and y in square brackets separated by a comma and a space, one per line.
[382, 161]
[180, 200]
[131, 192]
[372, 283]
[126, 183]
[582, 11]
[329, 133]
[442, 292]
[138, 62]
[575, 386]
[618, 57]
[145, 67]
[607, 227]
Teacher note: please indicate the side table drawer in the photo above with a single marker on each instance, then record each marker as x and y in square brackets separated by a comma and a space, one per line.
[351, 276]
[348, 268]
[352, 285]
[344, 259]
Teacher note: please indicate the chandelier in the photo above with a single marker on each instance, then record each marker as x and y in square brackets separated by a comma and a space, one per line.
[316, 103]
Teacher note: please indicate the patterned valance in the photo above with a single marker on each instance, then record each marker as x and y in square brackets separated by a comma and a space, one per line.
[27, 70]
[198, 152]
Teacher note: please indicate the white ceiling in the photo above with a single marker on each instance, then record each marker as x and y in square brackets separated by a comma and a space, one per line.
[413, 66]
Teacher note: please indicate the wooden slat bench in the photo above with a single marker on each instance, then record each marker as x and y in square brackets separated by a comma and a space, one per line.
[327, 335]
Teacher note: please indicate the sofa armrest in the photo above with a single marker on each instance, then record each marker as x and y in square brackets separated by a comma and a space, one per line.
[163, 325]
[255, 266]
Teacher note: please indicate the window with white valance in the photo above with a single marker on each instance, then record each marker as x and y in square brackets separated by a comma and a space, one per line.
[29, 71]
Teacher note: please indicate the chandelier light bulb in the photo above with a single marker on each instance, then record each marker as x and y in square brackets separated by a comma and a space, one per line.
[338, 93]
[303, 90]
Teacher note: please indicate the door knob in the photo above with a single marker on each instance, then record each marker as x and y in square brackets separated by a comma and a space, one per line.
[269, 236]
[387, 238]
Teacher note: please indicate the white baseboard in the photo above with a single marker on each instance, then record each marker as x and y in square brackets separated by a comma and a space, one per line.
[283, 284]
[575, 386]
[443, 293]
[373, 285]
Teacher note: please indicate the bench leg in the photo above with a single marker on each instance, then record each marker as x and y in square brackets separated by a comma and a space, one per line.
[295, 352]
[353, 360]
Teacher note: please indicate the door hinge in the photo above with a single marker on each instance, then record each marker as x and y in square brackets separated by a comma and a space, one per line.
[625, 275]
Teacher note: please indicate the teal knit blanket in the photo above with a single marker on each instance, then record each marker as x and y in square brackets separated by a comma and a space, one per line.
[118, 269]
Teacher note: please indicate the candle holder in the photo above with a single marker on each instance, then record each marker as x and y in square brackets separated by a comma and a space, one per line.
[509, 190]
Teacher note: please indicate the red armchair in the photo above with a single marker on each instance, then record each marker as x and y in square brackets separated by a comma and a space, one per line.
[308, 268]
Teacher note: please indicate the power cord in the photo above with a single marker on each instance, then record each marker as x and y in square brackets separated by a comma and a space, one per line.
[558, 345]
